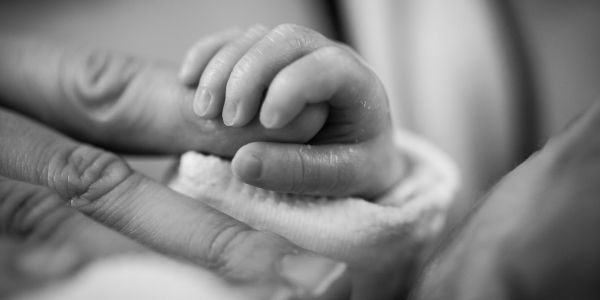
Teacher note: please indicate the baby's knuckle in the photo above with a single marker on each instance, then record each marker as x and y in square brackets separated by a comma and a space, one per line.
[295, 36]
[334, 52]
[287, 28]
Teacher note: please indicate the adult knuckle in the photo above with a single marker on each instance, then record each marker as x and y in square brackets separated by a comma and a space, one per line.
[106, 77]
[244, 67]
[223, 244]
[98, 81]
[86, 172]
[27, 210]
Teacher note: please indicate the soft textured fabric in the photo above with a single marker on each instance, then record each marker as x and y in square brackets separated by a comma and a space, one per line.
[354, 231]
[361, 233]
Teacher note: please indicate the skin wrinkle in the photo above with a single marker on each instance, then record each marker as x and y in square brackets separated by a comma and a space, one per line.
[86, 173]
[56, 168]
[48, 225]
[334, 160]
[81, 174]
[104, 213]
[43, 211]
[304, 40]
[220, 247]
[303, 169]
[25, 202]
[93, 83]
[33, 213]
[220, 61]
[9, 202]
[103, 80]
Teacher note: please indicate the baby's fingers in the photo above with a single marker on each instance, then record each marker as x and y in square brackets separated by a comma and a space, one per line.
[198, 56]
[331, 74]
[209, 98]
[254, 71]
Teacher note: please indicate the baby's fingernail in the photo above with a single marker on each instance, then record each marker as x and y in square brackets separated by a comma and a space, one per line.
[202, 102]
[270, 120]
[311, 275]
[248, 166]
[229, 115]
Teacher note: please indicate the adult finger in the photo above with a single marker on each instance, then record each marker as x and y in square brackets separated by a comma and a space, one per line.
[254, 71]
[332, 170]
[120, 102]
[102, 186]
[210, 96]
[26, 265]
[198, 56]
[37, 215]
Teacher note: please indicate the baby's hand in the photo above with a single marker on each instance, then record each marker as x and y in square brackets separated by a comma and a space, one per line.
[277, 73]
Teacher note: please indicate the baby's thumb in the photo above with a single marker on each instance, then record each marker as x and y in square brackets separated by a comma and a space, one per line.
[325, 170]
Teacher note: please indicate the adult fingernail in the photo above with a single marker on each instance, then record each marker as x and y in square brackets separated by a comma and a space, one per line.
[202, 102]
[229, 115]
[310, 275]
[248, 166]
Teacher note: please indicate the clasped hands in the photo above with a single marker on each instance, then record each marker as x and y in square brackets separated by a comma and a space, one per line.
[260, 97]
[295, 111]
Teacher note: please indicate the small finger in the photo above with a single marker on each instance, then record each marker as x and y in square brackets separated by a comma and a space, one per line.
[198, 56]
[329, 74]
[254, 71]
[210, 96]
[330, 170]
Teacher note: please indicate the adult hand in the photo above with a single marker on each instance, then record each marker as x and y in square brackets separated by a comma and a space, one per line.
[43, 240]
[535, 236]
[126, 105]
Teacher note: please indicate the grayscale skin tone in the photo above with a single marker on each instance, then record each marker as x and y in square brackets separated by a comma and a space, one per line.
[536, 235]
[66, 110]
[272, 76]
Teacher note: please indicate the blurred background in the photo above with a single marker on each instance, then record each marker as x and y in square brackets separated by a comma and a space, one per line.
[487, 81]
